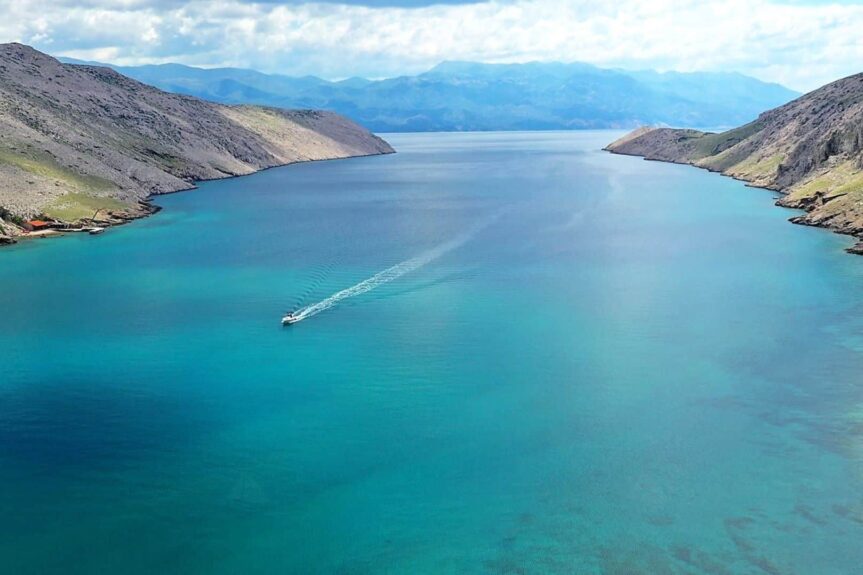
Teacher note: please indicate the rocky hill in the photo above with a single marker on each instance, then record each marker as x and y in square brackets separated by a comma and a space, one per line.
[74, 139]
[811, 149]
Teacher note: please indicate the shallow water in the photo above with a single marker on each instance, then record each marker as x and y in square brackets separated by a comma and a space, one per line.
[626, 367]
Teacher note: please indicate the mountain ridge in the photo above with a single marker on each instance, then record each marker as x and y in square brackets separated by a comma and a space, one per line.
[462, 95]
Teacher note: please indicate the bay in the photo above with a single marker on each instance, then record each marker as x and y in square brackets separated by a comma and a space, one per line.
[592, 364]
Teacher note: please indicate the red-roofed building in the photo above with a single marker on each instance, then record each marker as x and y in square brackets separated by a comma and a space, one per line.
[35, 225]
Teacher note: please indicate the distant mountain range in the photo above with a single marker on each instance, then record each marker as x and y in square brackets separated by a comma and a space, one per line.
[461, 96]
[810, 149]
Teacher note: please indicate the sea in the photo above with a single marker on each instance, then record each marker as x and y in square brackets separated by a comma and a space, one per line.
[516, 354]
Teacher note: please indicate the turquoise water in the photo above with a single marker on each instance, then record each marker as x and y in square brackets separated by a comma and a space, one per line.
[600, 365]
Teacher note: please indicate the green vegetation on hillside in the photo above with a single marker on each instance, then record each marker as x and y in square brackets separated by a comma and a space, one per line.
[43, 165]
[73, 207]
[713, 144]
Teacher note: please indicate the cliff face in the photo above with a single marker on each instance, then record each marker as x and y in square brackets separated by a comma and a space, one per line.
[811, 149]
[77, 138]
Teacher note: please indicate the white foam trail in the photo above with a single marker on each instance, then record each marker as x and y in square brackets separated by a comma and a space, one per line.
[389, 274]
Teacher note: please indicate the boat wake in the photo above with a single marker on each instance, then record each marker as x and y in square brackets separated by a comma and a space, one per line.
[386, 275]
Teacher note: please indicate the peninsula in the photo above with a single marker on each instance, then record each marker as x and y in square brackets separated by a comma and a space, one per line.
[810, 149]
[85, 145]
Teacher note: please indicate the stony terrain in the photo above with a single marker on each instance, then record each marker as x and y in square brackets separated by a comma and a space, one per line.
[74, 139]
[810, 149]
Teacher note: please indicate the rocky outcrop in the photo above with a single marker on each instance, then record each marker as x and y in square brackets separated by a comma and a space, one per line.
[80, 142]
[810, 149]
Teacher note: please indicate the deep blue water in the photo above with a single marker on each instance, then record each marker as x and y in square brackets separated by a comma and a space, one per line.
[604, 366]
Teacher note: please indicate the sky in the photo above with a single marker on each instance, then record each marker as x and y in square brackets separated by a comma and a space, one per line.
[801, 44]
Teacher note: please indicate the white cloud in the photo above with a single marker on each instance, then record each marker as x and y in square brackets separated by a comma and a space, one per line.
[802, 46]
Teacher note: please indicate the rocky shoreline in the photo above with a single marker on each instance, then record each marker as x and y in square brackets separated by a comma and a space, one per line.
[11, 234]
[15, 233]
[810, 150]
[808, 204]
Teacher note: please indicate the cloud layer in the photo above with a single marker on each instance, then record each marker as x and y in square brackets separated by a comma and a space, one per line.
[800, 45]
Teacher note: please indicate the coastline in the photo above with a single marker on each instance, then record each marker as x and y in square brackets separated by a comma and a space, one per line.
[84, 147]
[805, 207]
[146, 207]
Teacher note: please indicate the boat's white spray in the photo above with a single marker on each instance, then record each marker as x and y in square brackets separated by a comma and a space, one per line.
[391, 273]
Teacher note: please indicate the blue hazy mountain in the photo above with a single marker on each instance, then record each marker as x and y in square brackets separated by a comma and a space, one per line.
[455, 96]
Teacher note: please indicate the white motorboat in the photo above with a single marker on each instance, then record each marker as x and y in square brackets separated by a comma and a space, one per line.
[290, 318]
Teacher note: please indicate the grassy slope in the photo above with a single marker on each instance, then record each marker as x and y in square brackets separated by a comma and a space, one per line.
[81, 195]
[41, 165]
[73, 207]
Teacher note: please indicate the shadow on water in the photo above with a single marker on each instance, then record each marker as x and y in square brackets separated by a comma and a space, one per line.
[90, 424]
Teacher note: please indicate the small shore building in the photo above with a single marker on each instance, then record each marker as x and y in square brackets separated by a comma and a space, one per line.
[36, 225]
